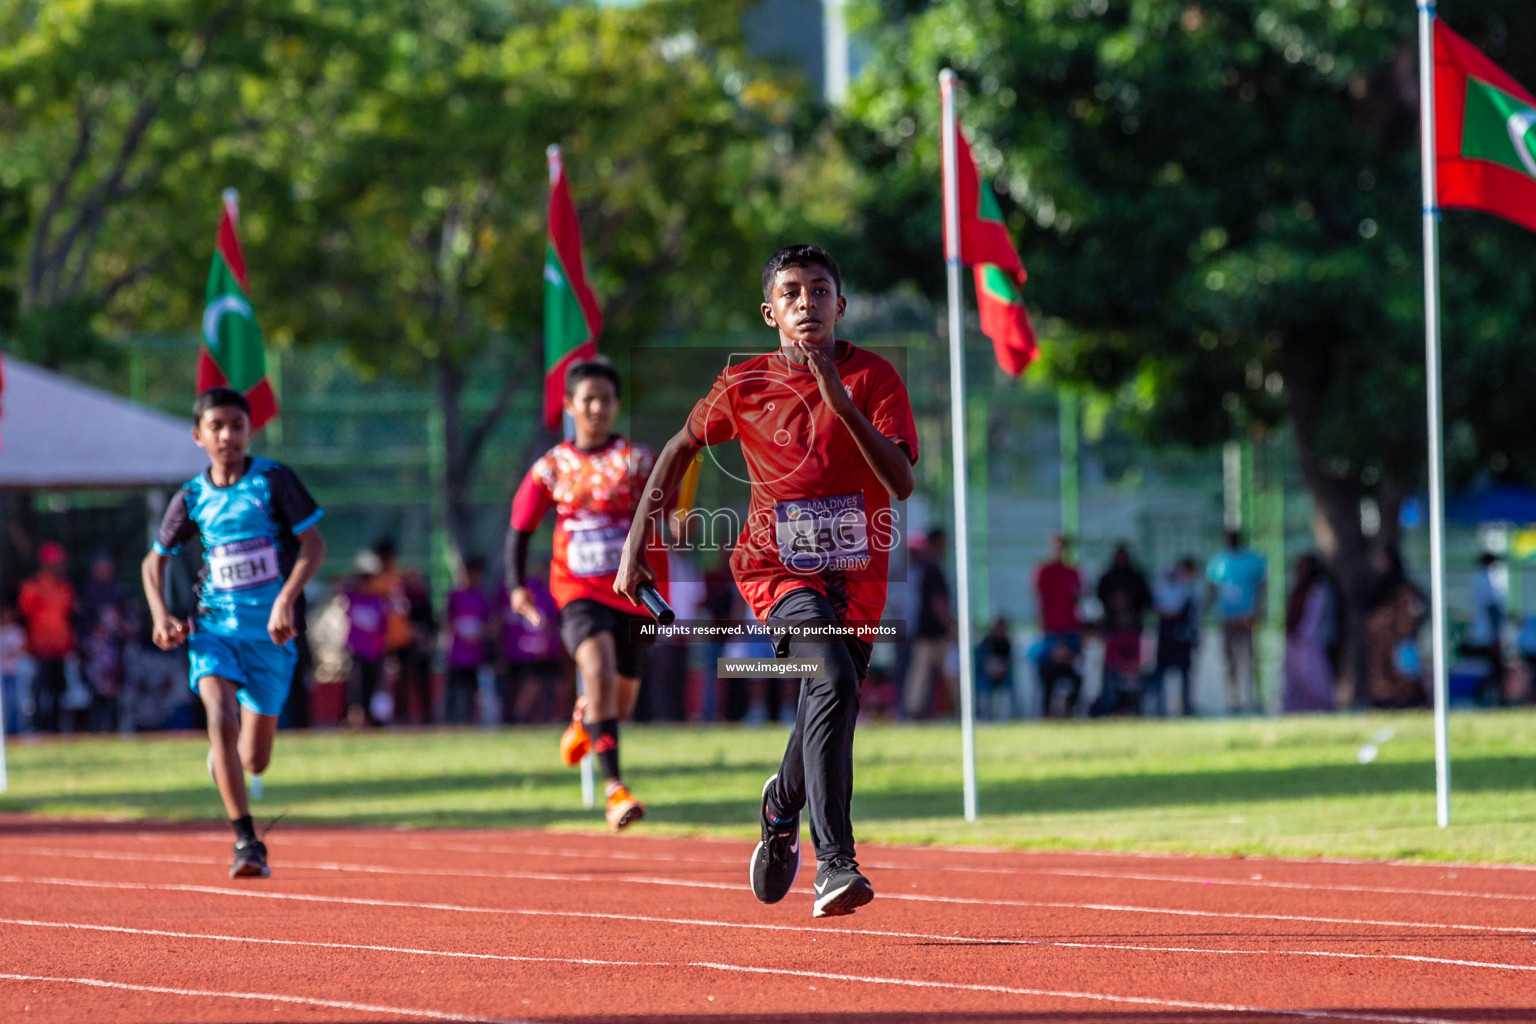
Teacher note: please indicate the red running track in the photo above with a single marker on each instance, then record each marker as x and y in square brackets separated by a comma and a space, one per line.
[124, 922]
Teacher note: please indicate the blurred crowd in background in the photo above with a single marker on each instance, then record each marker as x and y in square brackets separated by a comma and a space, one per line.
[381, 649]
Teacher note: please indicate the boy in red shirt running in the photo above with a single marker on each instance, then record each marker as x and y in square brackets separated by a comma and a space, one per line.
[593, 482]
[827, 432]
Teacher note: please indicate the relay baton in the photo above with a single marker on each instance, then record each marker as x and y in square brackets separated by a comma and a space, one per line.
[655, 605]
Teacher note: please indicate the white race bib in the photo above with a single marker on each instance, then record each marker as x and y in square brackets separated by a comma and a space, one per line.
[823, 533]
[594, 545]
[243, 564]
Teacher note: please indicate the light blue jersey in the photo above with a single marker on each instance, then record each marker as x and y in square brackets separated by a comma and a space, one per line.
[1238, 574]
[249, 532]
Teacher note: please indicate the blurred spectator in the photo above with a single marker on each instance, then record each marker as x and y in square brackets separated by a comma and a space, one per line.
[103, 649]
[1309, 630]
[155, 693]
[994, 658]
[1237, 576]
[366, 611]
[1176, 599]
[409, 631]
[468, 624]
[935, 630]
[47, 603]
[101, 591]
[16, 672]
[1058, 589]
[1485, 638]
[1527, 644]
[1125, 596]
[532, 655]
[1394, 612]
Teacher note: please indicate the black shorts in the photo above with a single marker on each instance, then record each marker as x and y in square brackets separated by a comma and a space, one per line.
[584, 618]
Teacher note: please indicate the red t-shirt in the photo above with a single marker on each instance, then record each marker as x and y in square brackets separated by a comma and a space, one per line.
[594, 494]
[47, 602]
[1059, 586]
[818, 517]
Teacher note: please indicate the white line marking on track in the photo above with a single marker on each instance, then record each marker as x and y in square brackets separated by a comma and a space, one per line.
[666, 858]
[730, 968]
[545, 876]
[1094, 996]
[338, 1004]
[958, 940]
[124, 930]
[1114, 908]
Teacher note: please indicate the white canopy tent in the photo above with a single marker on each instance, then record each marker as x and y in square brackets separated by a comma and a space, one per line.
[59, 434]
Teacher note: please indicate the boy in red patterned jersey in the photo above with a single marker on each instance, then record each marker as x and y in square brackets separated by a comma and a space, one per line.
[593, 482]
[827, 433]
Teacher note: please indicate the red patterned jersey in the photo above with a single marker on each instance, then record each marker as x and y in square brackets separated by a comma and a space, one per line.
[594, 494]
[818, 516]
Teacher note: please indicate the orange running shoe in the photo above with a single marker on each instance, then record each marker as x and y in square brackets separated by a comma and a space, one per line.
[623, 809]
[575, 744]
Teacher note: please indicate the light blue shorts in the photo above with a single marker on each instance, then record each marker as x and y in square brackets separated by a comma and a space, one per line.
[260, 668]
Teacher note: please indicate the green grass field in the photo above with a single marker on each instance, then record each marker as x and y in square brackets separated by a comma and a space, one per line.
[1291, 787]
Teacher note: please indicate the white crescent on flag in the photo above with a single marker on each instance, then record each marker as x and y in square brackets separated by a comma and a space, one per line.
[216, 311]
[1520, 124]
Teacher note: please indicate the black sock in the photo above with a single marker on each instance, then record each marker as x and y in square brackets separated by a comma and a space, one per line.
[244, 830]
[605, 744]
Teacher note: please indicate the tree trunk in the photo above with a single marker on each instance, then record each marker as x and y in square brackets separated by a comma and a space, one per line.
[1336, 520]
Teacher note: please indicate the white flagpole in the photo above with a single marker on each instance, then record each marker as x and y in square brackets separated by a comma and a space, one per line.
[588, 782]
[957, 430]
[1432, 389]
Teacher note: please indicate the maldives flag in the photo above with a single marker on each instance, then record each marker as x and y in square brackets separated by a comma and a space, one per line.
[986, 247]
[572, 320]
[1485, 134]
[232, 355]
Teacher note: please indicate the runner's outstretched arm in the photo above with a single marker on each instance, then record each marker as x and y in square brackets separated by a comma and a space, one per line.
[666, 475]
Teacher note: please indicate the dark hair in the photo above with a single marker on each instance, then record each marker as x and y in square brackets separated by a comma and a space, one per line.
[474, 563]
[386, 547]
[216, 398]
[799, 256]
[598, 368]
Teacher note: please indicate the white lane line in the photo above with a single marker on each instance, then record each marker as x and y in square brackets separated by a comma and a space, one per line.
[959, 940]
[1094, 996]
[685, 921]
[545, 876]
[732, 862]
[1113, 908]
[337, 1004]
[124, 930]
[749, 969]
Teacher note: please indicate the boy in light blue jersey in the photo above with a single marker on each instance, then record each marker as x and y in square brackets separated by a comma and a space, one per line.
[260, 547]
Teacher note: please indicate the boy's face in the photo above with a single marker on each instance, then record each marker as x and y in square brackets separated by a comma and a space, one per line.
[593, 406]
[804, 306]
[224, 432]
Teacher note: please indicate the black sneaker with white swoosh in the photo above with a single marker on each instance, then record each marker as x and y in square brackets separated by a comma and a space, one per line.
[776, 860]
[840, 889]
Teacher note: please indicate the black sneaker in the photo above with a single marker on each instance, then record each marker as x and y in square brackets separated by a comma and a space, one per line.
[250, 860]
[776, 860]
[840, 889]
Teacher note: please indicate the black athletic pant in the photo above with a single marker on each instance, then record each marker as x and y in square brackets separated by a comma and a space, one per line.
[817, 771]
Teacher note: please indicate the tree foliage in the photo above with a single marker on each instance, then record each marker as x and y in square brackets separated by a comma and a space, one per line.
[1218, 203]
[391, 158]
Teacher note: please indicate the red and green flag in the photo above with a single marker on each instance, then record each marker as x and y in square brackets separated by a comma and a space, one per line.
[572, 320]
[232, 355]
[986, 247]
[1485, 134]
